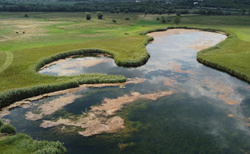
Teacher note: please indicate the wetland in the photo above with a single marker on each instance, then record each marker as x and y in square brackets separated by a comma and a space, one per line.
[172, 104]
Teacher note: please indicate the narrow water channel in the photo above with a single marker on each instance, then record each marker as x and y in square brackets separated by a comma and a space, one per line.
[173, 104]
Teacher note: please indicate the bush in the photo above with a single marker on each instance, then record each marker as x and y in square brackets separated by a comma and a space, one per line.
[126, 18]
[99, 15]
[8, 129]
[88, 15]
[177, 20]
[1, 123]
[26, 15]
[114, 20]
[126, 11]
[163, 20]
[157, 18]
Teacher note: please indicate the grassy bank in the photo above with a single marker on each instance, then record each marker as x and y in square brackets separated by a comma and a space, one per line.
[231, 56]
[23, 144]
[10, 142]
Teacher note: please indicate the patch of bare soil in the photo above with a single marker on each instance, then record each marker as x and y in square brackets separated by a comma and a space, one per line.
[103, 118]
[24, 28]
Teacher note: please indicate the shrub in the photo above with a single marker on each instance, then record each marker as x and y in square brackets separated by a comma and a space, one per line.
[126, 11]
[88, 15]
[163, 20]
[114, 20]
[126, 18]
[99, 15]
[8, 129]
[26, 15]
[1, 123]
[157, 18]
[177, 20]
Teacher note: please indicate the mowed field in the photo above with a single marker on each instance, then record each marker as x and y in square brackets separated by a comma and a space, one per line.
[31, 39]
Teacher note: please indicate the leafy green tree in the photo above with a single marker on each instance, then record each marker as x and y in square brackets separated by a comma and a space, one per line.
[99, 15]
[177, 20]
[163, 20]
[126, 11]
[88, 15]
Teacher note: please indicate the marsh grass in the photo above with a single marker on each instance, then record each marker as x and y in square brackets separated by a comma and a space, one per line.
[7, 129]
[23, 144]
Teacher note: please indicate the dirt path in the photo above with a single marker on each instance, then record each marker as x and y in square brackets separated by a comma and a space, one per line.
[8, 60]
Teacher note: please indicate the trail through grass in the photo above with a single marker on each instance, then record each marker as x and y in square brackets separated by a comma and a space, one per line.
[8, 60]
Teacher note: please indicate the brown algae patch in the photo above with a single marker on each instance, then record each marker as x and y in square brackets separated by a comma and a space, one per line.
[26, 102]
[63, 64]
[172, 32]
[204, 43]
[52, 106]
[85, 63]
[222, 91]
[103, 118]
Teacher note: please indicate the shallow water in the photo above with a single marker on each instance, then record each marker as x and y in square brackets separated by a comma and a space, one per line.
[181, 106]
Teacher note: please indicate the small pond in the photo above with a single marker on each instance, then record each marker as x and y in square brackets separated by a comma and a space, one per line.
[173, 104]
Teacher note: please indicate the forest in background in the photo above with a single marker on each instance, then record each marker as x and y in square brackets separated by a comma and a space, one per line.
[208, 7]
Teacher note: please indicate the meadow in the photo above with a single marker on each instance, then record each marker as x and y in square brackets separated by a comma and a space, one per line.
[27, 43]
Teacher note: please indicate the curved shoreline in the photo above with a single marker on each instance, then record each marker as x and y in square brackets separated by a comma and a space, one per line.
[10, 96]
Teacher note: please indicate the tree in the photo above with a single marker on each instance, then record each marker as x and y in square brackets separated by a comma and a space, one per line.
[88, 15]
[99, 15]
[163, 20]
[126, 11]
[177, 20]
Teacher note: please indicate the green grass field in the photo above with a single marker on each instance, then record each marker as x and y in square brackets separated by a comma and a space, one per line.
[41, 35]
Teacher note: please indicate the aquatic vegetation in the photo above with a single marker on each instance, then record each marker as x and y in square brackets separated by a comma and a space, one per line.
[8, 129]
[103, 118]
[21, 143]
